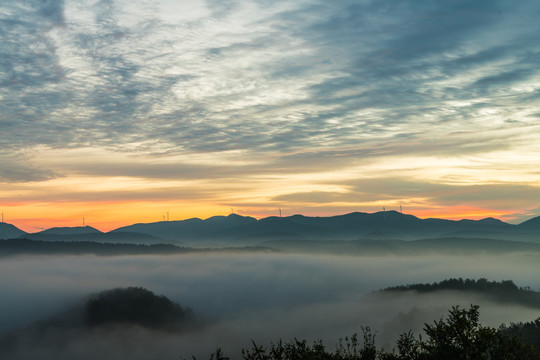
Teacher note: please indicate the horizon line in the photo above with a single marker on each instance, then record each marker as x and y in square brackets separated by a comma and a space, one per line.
[86, 225]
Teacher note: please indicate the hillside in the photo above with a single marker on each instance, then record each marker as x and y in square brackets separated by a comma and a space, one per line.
[111, 237]
[11, 247]
[354, 226]
[37, 247]
[76, 230]
[237, 230]
[8, 231]
[377, 246]
[118, 308]
[504, 291]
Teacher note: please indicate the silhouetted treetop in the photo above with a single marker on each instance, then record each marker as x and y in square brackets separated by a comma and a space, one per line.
[459, 336]
[135, 305]
[502, 291]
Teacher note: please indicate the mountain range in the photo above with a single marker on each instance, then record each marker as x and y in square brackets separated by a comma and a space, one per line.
[244, 230]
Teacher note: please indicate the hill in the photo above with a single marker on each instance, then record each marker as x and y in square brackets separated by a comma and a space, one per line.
[117, 309]
[111, 237]
[237, 230]
[8, 231]
[377, 246]
[134, 305]
[531, 224]
[11, 247]
[27, 246]
[76, 230]
[504, 291]
[354, 226]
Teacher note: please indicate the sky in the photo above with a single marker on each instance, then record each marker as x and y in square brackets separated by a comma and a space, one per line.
[121, 111]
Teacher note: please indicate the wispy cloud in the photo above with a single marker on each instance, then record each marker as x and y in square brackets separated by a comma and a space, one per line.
[305, 86]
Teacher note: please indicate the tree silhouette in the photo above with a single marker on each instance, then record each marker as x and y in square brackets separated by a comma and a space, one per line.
[134, 305]
[458, 337]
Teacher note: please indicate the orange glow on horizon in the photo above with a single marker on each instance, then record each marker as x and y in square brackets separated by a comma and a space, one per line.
[110, 216]
[459, 213]
[103, 216]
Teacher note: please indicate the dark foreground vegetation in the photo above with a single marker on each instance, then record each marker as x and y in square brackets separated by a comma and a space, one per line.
[458, 337]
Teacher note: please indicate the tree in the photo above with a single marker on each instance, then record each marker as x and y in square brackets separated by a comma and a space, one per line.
[458, 337]
[461, 336]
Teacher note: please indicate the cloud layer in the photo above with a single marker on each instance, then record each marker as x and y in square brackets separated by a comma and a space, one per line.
[273, 93]
[244, 297]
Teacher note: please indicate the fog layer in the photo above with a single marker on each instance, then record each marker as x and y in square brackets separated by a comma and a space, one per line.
[263, 297]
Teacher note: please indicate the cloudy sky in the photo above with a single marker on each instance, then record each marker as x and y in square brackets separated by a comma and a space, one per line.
[119, 111]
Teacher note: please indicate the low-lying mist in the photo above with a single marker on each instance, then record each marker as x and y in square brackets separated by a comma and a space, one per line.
[244, 297]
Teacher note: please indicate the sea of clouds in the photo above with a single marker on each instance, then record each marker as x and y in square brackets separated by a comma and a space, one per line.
[243, 297]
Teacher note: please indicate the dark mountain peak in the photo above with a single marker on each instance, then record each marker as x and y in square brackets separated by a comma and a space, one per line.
[71, 230]
[485, 221]
[531, 223]
[394, 216]
[491, 221]
[219, 217]
[233, 219]
[388, 213]
[4, 225]
[388, 224]
[192, 220]
[8, 231]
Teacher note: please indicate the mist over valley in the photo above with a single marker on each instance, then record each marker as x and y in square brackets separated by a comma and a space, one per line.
[244, 296]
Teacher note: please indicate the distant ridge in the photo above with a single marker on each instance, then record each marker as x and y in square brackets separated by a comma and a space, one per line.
[116, 237]
[533, 223]
[352, 226]
[8, 231]
[77, 230]
[241, 230]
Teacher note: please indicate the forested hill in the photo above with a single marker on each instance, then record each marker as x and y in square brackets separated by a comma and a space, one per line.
[504, 291]
[27, 246]
[37, 247]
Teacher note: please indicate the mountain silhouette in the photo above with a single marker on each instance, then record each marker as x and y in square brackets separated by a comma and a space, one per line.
[357, 225]
[241, 230]
[531, 224]
[8, 231]
[189, 229]
[77, 230]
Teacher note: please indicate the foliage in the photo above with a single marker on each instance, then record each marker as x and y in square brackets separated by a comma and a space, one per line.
[528, 332]
[134, 305]
[461, 336]
[504, 291]
[458, 337]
